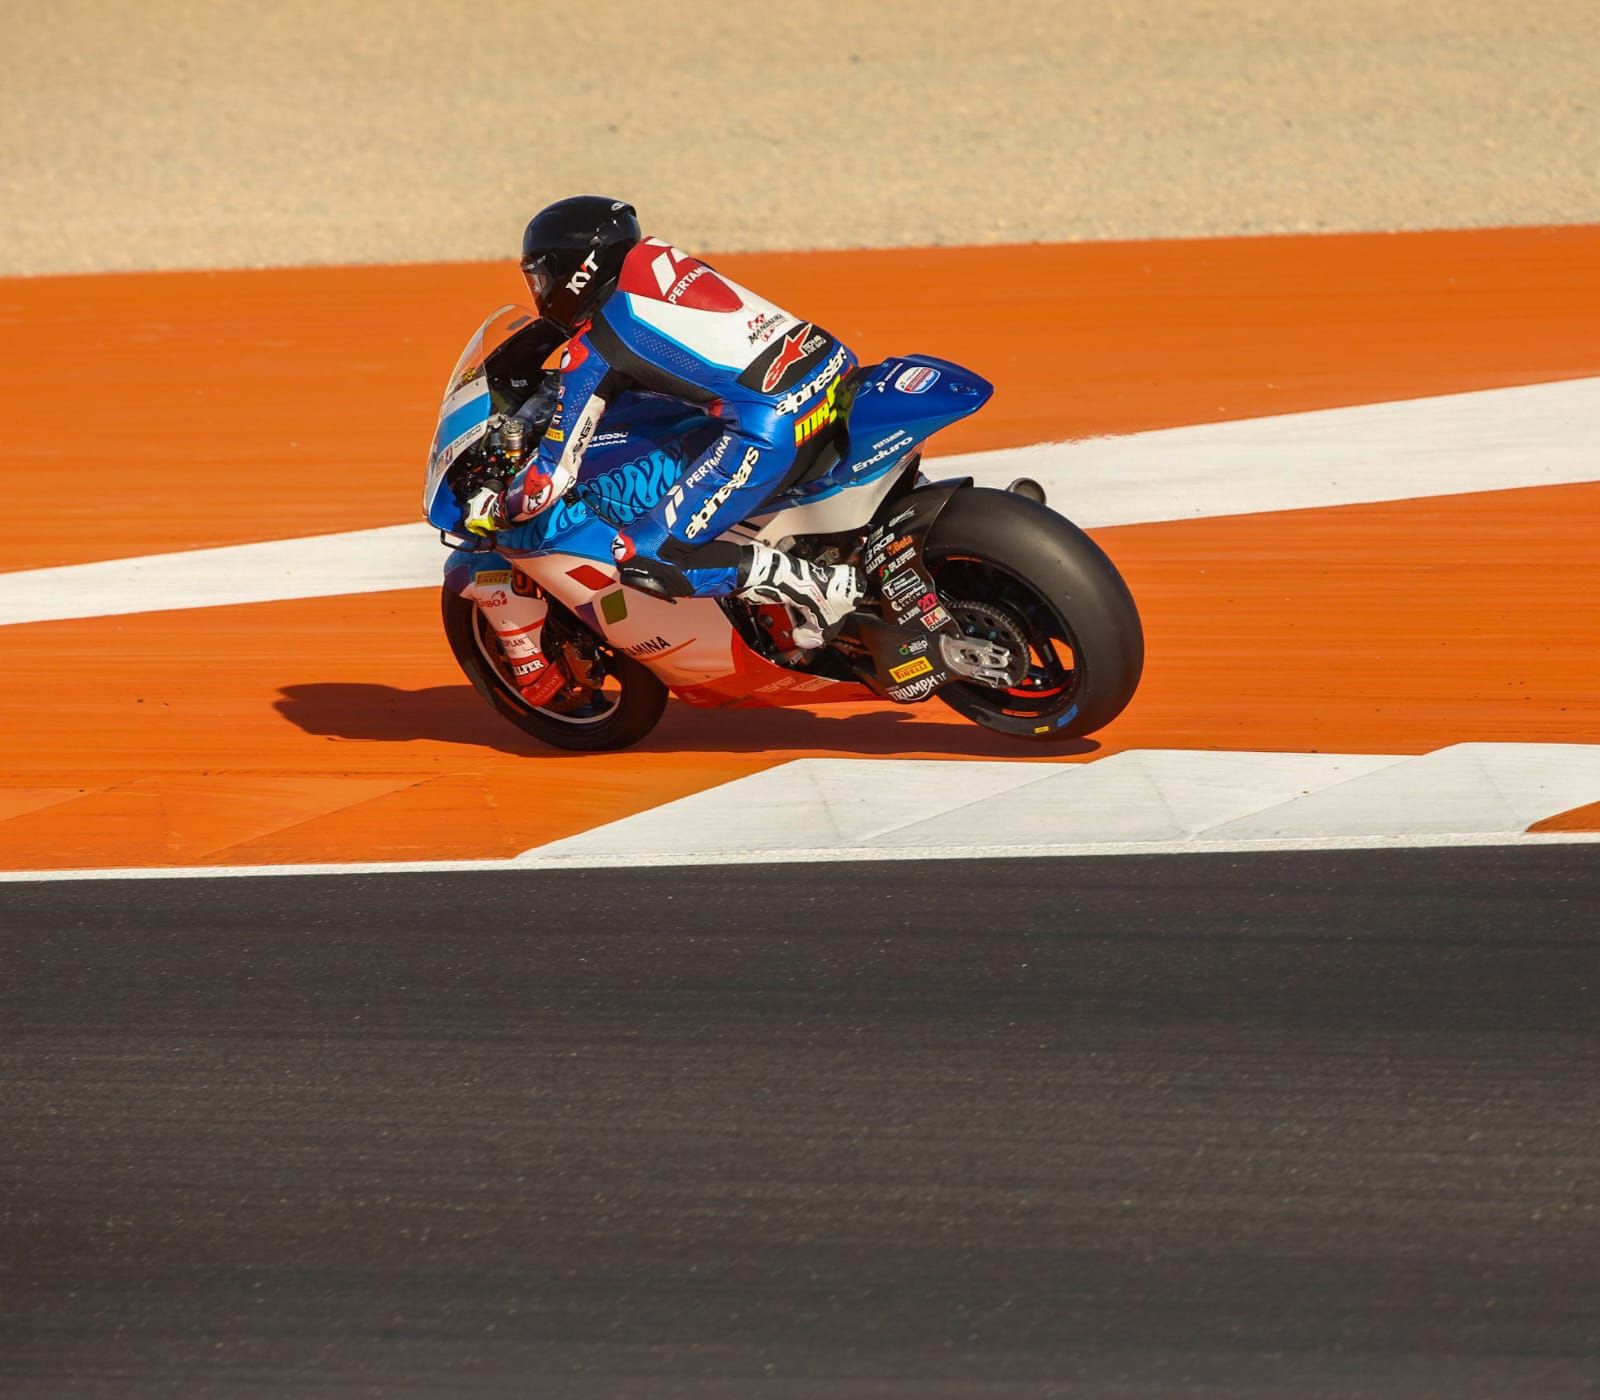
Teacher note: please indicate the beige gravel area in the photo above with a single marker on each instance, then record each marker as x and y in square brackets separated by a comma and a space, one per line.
[161, 133]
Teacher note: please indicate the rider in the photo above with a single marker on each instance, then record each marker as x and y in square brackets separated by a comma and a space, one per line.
[640, 313]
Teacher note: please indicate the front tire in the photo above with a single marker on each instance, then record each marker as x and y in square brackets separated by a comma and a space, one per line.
[613, 716]
[1058, 590]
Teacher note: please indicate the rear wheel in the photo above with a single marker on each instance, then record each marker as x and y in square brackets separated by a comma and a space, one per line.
[613, 702]
[1010, 570]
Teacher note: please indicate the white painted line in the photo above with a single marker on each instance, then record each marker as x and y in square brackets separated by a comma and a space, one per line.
[1141, 797]
[316, 566]
[856, 855]
[1494, 439]
[839, 803]
[1463, 790]
[1489, 440]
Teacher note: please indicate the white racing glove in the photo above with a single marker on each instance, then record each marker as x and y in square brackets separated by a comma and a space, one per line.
[485, 512]
[490, 510]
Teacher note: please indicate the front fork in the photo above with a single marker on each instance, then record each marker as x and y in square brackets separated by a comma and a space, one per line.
[510, 603]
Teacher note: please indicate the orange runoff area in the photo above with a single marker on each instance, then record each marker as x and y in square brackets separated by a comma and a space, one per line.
[198, 409]
[339, 729]
[168, 411]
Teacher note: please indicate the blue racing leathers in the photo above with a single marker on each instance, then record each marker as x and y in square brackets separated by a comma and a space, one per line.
[674, 326]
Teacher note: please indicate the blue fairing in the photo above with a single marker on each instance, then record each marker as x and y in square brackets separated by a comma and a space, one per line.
[886, 422]
[647, 440]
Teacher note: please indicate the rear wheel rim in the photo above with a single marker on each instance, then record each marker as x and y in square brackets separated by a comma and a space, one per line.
[1056, 672]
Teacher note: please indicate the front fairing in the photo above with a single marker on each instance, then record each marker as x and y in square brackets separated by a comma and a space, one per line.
[496, 374]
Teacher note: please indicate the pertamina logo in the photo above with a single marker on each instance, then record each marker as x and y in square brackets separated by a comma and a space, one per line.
[719, 497]
[679, 280]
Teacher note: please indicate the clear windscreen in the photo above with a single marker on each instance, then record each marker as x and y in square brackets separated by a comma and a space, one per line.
[497, 372]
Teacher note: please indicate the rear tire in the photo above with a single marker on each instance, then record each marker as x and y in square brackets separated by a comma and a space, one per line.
[998, 548]
[613, 719]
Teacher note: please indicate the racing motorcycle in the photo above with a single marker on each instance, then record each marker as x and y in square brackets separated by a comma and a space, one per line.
[987, 599]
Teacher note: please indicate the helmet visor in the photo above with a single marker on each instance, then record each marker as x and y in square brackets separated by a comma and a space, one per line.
[541, 282]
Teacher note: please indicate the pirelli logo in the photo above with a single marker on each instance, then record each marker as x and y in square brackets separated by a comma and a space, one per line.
[920, 667]
[819, 417]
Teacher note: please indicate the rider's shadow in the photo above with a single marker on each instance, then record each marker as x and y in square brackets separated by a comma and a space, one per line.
[456, 714]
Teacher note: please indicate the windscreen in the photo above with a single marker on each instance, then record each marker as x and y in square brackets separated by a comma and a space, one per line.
[499, 368]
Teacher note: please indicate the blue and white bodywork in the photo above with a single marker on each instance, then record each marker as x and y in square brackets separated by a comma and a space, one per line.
[645, 442]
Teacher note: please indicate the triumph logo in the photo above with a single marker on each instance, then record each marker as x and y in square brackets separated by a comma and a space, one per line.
[923, 685]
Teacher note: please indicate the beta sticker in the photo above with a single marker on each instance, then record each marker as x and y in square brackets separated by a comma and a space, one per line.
[916, 380]
[920, 667]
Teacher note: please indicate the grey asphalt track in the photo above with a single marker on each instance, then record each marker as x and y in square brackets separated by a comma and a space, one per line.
[1292, 1125]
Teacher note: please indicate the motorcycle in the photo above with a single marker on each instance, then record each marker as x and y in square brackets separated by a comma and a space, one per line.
[985, 599]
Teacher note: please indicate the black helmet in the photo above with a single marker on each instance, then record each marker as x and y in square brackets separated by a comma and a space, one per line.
[572, 254]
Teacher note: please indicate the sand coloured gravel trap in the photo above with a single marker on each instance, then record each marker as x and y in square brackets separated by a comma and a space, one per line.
[175, 133]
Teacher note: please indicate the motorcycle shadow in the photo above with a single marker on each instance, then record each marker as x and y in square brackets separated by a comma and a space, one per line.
[454, 714]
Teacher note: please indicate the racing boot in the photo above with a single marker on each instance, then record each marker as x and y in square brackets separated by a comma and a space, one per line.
[823, 594]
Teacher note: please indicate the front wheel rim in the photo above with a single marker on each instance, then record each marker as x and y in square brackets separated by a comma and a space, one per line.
[489, 648]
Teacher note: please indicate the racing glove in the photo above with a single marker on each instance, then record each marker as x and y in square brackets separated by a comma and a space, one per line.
[532, 491]
[486, 512]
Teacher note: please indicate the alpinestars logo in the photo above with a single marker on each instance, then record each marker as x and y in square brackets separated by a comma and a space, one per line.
[803, 393]
[719, 497]
[791, 352]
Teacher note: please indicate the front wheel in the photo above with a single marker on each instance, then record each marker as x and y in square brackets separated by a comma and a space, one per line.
[617, 704]
[1011, 571]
